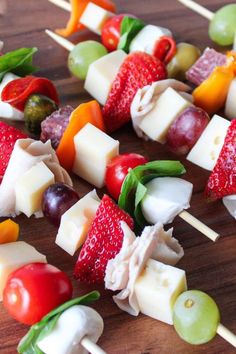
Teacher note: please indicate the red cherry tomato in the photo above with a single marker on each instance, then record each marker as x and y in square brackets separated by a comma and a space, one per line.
[34, 290]
[165, 49]
[117, 170]
[111, 32]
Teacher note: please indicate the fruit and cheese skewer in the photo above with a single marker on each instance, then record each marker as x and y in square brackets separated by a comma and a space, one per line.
[222, 27]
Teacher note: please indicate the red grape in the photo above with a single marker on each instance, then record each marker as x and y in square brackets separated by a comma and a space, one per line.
[57, 199]
[186, 129]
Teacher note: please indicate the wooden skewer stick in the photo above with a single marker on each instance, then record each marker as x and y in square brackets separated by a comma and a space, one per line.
[225, 333]
[91, 347]
[62, 4]
[60, 40]
[198, 8]
[197, 224]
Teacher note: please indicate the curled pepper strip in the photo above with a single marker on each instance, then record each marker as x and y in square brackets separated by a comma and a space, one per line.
[77, 9]
[17, 92]
[165, 49]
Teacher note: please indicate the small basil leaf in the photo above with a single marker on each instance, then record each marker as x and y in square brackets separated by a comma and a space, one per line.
[130, 27]
[28, 344]
[18, 62]
[127, 196]
[140, 194]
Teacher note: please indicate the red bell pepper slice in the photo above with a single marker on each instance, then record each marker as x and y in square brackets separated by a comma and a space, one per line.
[16, 92]
[165, 49]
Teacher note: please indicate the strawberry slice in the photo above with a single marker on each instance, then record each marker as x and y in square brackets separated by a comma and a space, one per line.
[8, 136]
[222, 181]
[103, 242]
[138, 70]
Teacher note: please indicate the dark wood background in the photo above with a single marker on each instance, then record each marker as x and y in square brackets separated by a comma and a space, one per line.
[209, 267]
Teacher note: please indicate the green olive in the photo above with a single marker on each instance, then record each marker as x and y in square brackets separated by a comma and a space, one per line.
[37, 108]
[185, 57]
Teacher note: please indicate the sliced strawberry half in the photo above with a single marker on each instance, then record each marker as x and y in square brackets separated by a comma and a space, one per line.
[222, 181]
[103, 242]
[138, 70]
[8, 136]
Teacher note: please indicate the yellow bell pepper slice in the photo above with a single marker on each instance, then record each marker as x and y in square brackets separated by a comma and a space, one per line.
[9, 231]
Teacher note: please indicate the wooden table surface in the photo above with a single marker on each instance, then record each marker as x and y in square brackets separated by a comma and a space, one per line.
[210, 266]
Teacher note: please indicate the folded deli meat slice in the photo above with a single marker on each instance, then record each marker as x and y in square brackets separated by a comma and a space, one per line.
[27, 153]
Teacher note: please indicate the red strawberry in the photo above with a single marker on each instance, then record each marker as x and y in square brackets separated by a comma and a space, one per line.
[103, 242]
[8, 137]
[138, 70]
[222, 181]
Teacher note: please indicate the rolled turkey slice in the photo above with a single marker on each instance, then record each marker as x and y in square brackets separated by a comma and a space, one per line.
[26, 154]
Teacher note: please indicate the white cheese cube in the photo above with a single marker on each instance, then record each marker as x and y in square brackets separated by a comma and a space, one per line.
[94, 150]
[102, 73]
[146, 39]
[207, 149]
[157, 289]
[13, 256]
[230, 105]
[76, 222]
[157, 121]
[9, 112]
[30, 187]
[94, 17]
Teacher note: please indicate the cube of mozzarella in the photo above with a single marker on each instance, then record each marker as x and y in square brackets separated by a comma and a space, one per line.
[94, 150]
[157, 121]
[94, 17]
[207, 149]
[76, 222]
[102, 73]
[157, 289]
[146, 39]
[13, 256]
[30, 187]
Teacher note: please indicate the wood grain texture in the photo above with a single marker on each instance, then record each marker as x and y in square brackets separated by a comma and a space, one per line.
[210, 267]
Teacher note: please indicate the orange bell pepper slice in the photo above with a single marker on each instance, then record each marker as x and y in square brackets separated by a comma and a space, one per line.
[77, 9]
[9, 231]
[89, 112]
[212, 93]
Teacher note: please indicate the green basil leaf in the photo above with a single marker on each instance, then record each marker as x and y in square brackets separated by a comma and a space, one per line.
[28, 344]
[130, 27]
[142, 174]
[18, 62]
[140, 194]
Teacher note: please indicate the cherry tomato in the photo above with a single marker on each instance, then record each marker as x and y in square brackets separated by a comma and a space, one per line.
[117, 170]
[111, 32]
[34, 290]
[165, 49]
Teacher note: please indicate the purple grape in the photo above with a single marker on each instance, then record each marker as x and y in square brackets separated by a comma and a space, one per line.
[57, 199]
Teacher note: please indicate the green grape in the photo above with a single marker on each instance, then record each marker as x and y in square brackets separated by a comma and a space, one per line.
[84, 54]
[223, 26]
[196, 317]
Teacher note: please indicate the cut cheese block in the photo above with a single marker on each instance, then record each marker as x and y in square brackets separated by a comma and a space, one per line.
[146, 39]
[102, 73]
[9, 112]
[207, 149]
[94, 150]
[76, 222]
[94, 17]
[13, 256]
[157, 121]
[29, 188]
[157, 289]
[230, 105]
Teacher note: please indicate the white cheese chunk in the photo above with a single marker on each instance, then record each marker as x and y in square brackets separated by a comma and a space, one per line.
[230, 105]
[29, 188]
[76, 222]
[146, 39]
[9, 112]
[157, 289]
[207, 149]
[166, 197]
[94, 150]
[102, 73]
[72, 326]
[230, 203]
[94, 17]
[166, 109]
[13, 256]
